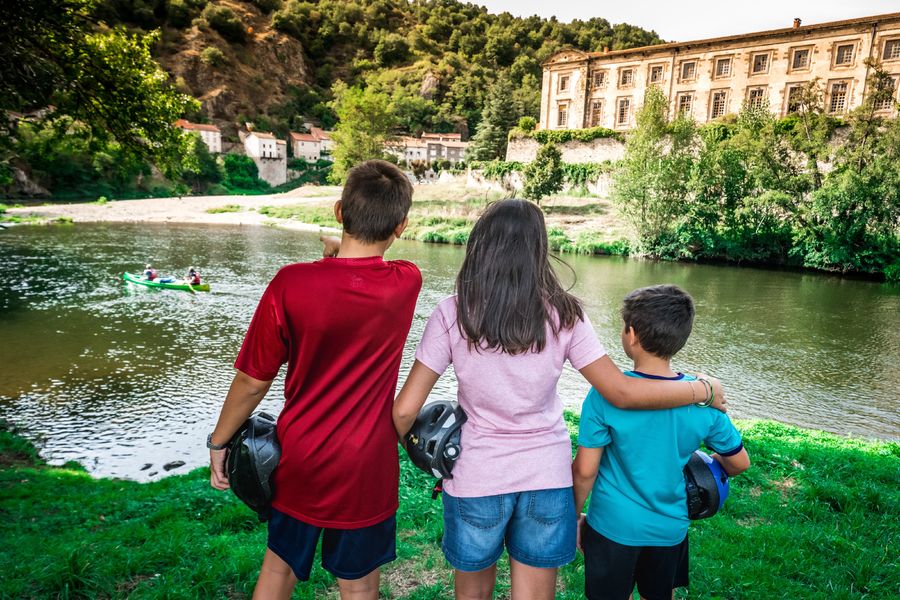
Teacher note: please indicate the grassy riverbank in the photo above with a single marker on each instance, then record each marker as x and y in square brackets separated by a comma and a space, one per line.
[445, 214]
[816, 517]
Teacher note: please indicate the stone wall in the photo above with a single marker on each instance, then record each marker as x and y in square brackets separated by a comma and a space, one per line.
[272, 170]
[512, 183]
[524, 149]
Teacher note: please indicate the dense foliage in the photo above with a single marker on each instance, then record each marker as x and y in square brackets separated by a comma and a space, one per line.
[52, 52]
[436, 59]
[365, 124]
[499, 116]
[544, 175]
[754, 189]
[561, 136]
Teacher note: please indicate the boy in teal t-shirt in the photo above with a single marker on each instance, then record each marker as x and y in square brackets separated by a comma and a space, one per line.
[632, 461]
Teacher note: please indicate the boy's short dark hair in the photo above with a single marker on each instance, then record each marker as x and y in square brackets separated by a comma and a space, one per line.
[376, 198]
[661, 316]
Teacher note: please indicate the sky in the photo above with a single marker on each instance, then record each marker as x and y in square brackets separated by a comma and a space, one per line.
[685, 20]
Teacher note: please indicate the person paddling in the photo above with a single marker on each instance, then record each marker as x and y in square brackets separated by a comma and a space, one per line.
[193, 276]
[149, 273]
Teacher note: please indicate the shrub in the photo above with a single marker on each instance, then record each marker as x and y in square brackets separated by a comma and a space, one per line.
[223, 20]
[241, 173]
[560, 136]
[267, 6]
[213, 57]
[543, 175]
[527, 123]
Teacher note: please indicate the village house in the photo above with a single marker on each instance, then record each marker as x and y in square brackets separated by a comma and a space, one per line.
[312, 146]
[269, 154]
[711, 78]
[210, 134]
[429, 147]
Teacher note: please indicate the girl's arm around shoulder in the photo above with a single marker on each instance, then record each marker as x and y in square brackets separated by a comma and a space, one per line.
[635, 393]
[412, 396]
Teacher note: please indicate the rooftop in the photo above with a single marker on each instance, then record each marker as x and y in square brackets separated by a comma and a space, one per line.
[303, 137]
[184, 124]
[801, 29]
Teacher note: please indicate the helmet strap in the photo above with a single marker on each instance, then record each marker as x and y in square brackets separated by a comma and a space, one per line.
[438, 488]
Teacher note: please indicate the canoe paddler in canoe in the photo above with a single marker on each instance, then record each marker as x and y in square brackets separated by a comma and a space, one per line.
[192, 277]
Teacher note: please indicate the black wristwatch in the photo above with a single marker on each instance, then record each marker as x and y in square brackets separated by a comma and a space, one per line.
[212, 446]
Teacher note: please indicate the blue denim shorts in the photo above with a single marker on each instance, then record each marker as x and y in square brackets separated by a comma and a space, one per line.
[537, 527]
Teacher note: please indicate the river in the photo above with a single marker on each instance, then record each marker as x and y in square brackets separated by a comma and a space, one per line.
[117, 376]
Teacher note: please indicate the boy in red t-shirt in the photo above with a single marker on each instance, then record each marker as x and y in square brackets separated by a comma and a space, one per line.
[340, 324]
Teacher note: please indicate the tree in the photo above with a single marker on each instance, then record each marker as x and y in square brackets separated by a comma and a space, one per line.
[543, 175]
[54, 53]
[497, 118]
[365, 123]
[200, 167]
[650, 184]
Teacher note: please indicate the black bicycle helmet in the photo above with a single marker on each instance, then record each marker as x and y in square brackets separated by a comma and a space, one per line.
[707, 485]
[433, 441]
[253, 454]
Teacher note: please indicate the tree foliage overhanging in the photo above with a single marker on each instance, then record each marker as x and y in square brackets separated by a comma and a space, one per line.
[768, 191]
[57, 53]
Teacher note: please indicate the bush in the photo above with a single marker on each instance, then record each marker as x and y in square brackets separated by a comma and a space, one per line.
[527, 123]
[180, 13]
[213, 57]
[543, 175]
[267, 6]
[223, 20]
[241, 174]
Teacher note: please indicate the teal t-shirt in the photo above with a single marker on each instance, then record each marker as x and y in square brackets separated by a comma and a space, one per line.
[639, 497]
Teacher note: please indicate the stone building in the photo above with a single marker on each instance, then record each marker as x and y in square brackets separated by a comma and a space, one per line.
[312, 146]
[269, 153]
[714, 77]
[210, 134]
[430, 147]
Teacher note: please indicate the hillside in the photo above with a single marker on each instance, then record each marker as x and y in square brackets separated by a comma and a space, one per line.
[273, 61]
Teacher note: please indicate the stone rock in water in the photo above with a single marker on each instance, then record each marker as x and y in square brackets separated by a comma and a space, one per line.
[173, 465]
[146, 466]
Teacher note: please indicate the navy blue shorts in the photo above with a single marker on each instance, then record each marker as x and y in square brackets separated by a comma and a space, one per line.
[611, 570]
[346, 553]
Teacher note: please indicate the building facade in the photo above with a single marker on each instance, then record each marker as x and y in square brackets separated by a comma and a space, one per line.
[312, 146]
[708, 79]
[210, 134]
[429, 148]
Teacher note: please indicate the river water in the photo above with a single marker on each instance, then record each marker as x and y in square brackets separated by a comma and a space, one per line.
[118, 376]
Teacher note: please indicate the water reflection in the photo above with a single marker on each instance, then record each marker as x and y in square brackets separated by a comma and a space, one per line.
[117, 376]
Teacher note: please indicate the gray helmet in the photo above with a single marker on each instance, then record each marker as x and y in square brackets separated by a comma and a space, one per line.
[433, 441]
[253, 454]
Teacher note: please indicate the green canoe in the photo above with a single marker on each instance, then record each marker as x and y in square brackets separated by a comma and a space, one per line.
[175, 285]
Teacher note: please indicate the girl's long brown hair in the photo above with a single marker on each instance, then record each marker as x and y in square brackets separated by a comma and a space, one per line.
[506, 288]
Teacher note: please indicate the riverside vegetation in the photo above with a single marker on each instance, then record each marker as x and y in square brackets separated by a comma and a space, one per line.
[815, 517]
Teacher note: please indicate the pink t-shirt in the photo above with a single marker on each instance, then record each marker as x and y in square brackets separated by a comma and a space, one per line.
[515, 438]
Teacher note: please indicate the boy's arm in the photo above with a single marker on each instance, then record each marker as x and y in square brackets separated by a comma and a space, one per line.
[635, 393]
[734, 464]
[243, 397]
[584, 473]
[412, 396]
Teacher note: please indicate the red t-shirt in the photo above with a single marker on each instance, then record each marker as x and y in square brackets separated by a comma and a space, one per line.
[340, 324]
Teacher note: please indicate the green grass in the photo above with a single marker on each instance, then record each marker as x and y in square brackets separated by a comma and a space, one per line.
[816, 516]
[228, 208]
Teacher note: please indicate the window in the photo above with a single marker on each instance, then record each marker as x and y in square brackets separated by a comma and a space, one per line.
[756, 97]
[599, 79]
[684, 103]
[793, 98]
[562, 115]
[759, 63]
[688, 70]
[800, 60]
[656, 74]
[623, 112]
[723, 68]
[596, 113]
[844, 54]
[718, 104]
[626, 77]
[563, 83]
[891, 50]
[838, 100]
[888, 103]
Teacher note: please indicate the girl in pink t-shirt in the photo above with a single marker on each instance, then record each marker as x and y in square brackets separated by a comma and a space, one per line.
[507, 332]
